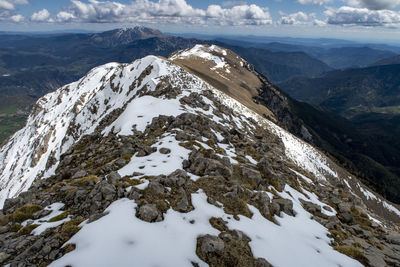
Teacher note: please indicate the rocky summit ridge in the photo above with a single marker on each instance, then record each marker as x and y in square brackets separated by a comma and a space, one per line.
[173, 162]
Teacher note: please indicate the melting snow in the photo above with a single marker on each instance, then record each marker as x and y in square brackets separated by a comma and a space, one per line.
[157, 163]
[132, 241]
[44, 223]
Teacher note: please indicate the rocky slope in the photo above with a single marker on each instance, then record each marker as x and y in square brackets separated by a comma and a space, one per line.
[168, 162]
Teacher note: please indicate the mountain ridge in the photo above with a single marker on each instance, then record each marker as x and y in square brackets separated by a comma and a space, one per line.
[202, 163]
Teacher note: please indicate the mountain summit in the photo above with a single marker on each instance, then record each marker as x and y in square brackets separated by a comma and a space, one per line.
[172, 162]
[124, 36]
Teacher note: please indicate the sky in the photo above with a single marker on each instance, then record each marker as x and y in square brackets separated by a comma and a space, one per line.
[349, 19]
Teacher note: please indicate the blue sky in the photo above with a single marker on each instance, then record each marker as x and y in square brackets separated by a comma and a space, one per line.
[351, 19]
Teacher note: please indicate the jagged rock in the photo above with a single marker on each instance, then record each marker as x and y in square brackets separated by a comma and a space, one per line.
[310, 206]
[120, 163]
[10, 204]
[282, 204]
[265, 167]
[239, 235]
[40, 214]
[183, 204]
[264, 201]
[155, 186]
[177, 178]
[375, 257]
[149, 213]
[79, 174]
[165, 150]
[253, 176]
[346, 217]
[113, 177]
[108, 190]
[212, 244]
[393, 239]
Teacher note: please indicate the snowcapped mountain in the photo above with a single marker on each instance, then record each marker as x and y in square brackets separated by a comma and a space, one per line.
[172, 162]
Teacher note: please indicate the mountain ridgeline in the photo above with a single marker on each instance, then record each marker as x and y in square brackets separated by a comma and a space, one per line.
[184, 150]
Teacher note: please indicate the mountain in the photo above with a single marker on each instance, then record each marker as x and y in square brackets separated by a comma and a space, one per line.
[280, 66]
[33, 65]
[337, 55]
[114, 168]
[124, 36]
[369, 99]
[353, 57]
[350, 92]
[388, 61]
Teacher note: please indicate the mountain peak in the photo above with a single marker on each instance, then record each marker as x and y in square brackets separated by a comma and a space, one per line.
[124, 36]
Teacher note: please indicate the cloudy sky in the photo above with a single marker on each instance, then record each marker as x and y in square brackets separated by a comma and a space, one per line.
[364, 19]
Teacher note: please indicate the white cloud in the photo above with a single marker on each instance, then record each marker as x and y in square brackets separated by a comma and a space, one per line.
[362, 16]
[163, 11]
[233, 3]
[65, 16]
[314, 2]
[41, 16]
[10, 4]
[17, 18]
[8, 7]
[374, 4]
[294, 19]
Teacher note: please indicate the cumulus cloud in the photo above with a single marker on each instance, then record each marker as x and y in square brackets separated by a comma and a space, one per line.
[374, 4]
[8, 8]
[362, 16]
[10, 4]
[17, 18]
[294, 19]
[41, 16]
[314, 2]
[163, 11]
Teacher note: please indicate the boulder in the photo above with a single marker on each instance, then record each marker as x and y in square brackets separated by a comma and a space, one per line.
[149, 213]
[250, 175]
[212, 244]
[165, 150]
[282, 204]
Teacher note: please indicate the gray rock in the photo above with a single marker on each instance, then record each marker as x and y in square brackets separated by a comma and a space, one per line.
[347, 217]
[183, 204]
[285, 205]
[239, 235]
[393, 239]
[46, 249]
[253, 176]
[108, 191]
[177, 178]
[375, 257]
[212, 244]
[165, 150]
[149, 213]
[113, 177]
[310, 206]
[79, 174]
[120, 163]
[155, 187]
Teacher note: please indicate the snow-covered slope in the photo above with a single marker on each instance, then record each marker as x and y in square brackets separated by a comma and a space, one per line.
[168, 119]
